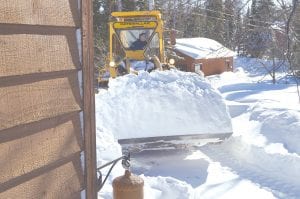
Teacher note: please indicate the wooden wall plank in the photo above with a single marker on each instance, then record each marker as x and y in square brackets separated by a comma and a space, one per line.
[40, 153]
[215, 65]
[32, 151]
[58, 181]
[89, 99]
[25, 103]
[40, 12]
[34, 53]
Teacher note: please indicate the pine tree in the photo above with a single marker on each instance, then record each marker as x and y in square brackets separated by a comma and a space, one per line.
[245, 32]
[215, 20]
[260, 34]
[159, 5]
[238, 37]
[252, 34]
[229, 9]
[195, 21]
[296, 40]
[101, 9]
[128, 5]
[265, 12]
[252, 45]
[141, 5]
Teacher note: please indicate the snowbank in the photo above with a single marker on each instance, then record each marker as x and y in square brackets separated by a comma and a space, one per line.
[261, 159]
[279, 126]
[258, 69]
[202, 48]
[161, 104]
[166, 187]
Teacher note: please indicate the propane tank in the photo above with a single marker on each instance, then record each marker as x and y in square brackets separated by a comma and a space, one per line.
[128, 186]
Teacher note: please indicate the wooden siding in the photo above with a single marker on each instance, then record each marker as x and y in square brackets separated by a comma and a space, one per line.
[60, 180]
[26, 50]
[41, 137]
[89, 99]
[50, 140]
[215, 65]
[30, 102]
[40, 12]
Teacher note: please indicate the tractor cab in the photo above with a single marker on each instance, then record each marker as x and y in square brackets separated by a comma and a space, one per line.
[138, 41]
[135, 43]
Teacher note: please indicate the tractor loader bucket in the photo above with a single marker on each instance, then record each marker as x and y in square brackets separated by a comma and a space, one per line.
[171, 142]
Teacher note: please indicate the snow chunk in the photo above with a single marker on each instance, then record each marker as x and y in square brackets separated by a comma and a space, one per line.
[161, 103]
[166, 187]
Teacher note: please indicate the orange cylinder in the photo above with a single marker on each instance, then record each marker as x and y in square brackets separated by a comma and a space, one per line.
[128, 186]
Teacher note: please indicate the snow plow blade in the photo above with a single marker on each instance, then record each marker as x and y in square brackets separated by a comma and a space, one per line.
[171, 142]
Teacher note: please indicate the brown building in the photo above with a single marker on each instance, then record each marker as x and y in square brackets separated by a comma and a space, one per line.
[204, 54]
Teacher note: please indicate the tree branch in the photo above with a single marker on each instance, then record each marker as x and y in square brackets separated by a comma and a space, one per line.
[289, 54]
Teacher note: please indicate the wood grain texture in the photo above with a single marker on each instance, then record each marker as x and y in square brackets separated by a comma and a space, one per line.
[64, 179]
[26, 103]
[89, 99]
[40, 12]
[61, 138]
[27, 52]
[215, 65]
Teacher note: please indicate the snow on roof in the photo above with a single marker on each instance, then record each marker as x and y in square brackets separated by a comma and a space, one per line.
[202, 48]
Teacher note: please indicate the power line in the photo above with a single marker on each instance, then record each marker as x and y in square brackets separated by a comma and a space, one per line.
[223, 19]
[250, 18]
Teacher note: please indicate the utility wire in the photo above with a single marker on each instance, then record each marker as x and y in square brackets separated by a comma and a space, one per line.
[250, 18]
[223, 19]
[232, 15]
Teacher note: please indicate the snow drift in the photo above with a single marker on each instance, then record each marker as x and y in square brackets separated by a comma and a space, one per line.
[261, 158]
[161, 104]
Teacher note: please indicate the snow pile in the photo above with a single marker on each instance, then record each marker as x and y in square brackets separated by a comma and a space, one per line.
[264, 147]
[260, 160]
[202, 48]
[259, 68]
[160, 104]
[279, 126]
[166, 187]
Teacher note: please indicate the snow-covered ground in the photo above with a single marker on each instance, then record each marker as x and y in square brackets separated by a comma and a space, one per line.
[260, 160]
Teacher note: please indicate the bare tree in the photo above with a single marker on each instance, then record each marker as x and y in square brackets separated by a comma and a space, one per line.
[289, 53]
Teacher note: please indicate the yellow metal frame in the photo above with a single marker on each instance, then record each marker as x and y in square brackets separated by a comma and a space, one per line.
[134, 24]
[121, 21]
[151, 13]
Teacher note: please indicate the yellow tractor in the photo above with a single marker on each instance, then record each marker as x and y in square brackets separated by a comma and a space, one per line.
[136, 42]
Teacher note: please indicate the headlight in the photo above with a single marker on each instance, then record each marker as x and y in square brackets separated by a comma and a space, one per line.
[171, 61]
[112, 64]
